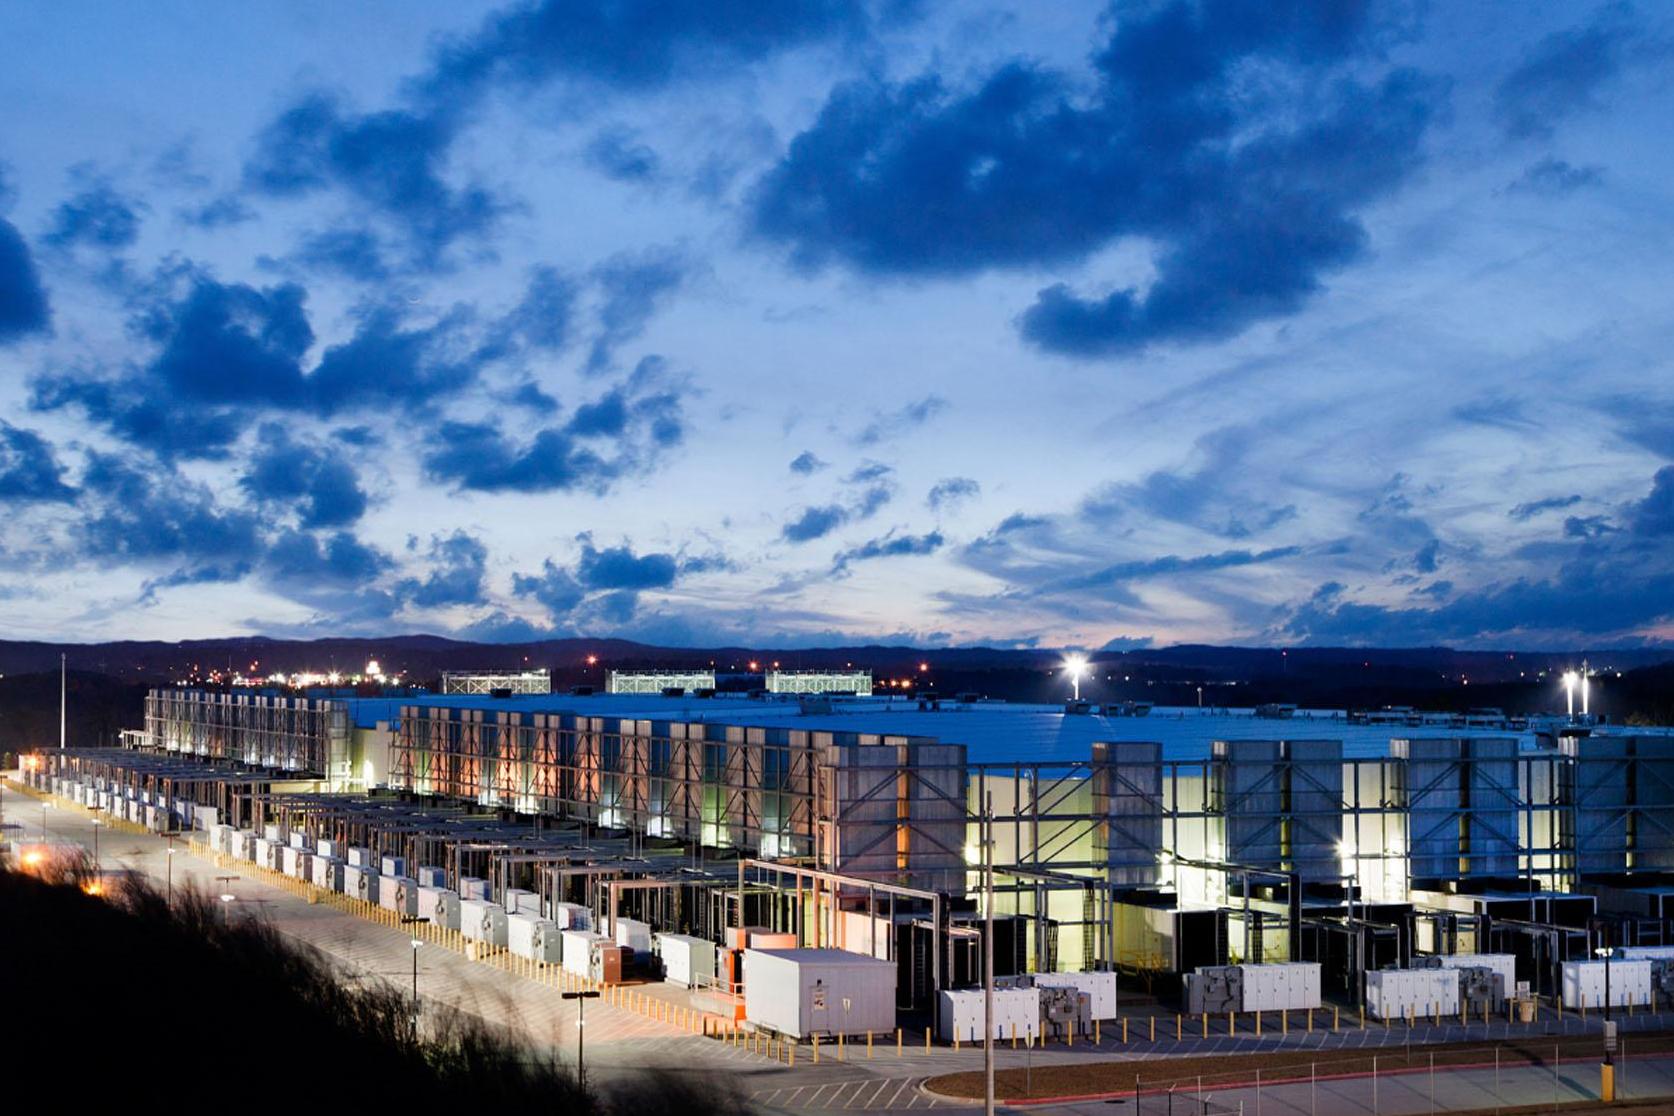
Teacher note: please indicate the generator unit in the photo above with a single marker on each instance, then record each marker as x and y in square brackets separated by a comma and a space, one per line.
[1064, 1011]
[1215, 988]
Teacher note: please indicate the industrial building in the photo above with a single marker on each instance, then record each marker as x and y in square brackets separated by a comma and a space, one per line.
[1151, 845]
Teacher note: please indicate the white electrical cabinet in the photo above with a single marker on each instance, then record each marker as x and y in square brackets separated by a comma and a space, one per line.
[687, 960]
[359, 857]
[328, 872]
[1420, 993]
[806, 992]
[519, 901]
[204, 817]
[1284, 986]
[392, 866]
[472, 888]
[578, 950]
[398, 894]
[299, 839]
[327, 847]
[572, 916]
[1016, 1012]
[440, 906]
[1644, 953]
[1100, 989]
[533, 937]
[483, 921]
[634, 934]
[288, 859]
[1630, 983]
[432, 877]
[360, 882]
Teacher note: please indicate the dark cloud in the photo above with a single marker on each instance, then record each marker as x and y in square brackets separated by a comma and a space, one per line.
[1653, 517]
[1249, 205]
[554, 587]
[894, 423]
[1428, 557]
[98, 217]
[868, 472]
[630, 45]
[29, 469]
[458, 571]
[353, 253]
[814, 523]
[138, 513]
[393, 162]
[227, 353]
[617, 154]
[891, 545]
[23, 301]
[1525, 512]
[1588, 527]
[303, 559]
[1554, 178]
[323, 486]
[618, 567]
[621, 433]
[1564, 73]
[806, 463]
[949, 492]
[218, 213]
[632, 288]
[545, 316]
[1115, 576]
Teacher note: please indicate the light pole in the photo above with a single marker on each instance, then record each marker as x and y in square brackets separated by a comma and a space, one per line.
[1606, 952]
[170, 870]
[581, 999]
[98, 876]
[1607, 1072]
[988, 955]
[415, 944]
[226, 905]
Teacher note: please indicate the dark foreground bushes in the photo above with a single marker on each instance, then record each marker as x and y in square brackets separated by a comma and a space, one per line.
[141, 1003]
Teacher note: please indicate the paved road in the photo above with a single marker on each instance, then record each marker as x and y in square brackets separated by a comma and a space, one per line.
[621, 1041]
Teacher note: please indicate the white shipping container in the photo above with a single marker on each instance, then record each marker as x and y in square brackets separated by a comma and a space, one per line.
[519, 901]
[1016, 1011]
[483, 921]
[634, 934]
[578, 950]
[1100, 989]
[572, 916]
[440, 906]
[805, 992]
[687, 960]
[398, 894]
[533, 937]
[1630, 983]
[1421, 993]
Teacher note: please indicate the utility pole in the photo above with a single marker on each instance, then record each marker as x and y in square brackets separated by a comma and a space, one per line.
[988, 955]
[580, 999]
[63, 691]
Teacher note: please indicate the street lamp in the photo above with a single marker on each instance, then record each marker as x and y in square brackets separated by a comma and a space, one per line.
[581, 999]
[1606, 952]
[98, 876]
[1076, 666]
[170, 863]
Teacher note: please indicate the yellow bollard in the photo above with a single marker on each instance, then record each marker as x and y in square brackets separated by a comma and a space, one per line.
[1231, 1023]
[1153, 1028]
[816, 1050]
[1310, 1021]
[1205, 1024]
[1014, 1036]
[793, 1057]
[868, 1046]
[842, 1045]
[897, 1042]
[1124, 1031]
[1098, 1035]
[956, 1040]
[927, 1038]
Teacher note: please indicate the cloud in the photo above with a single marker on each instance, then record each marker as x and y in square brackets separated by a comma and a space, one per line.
[217, 213]
[1565, 72]
[324, 487]
[1115, 575]
[138, 513]
[301, 559]
[950, 492]
[806, 464]
[29, 469]
[353, 253]
[545, 316]
[554, 587]
[895, 423]
[891, 545]
[868, 472]
[98, 217]
[1588, 527]
[1554, 178]
[814, 523]
[1208, 497]
[23, 301]
[1522, 513]
[228, 353]
[620, 568]
[459, 565]
[1427, 558]
[624, 432]
[1653, 517]
[632, 289]
[393, 162]
[1248, 190]
[617, 154]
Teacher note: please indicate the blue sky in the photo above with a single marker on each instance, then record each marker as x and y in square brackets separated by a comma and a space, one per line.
[812, 322]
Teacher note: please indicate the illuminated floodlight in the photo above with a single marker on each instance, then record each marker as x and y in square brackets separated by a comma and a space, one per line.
[1570, 679]
[1076, 666]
